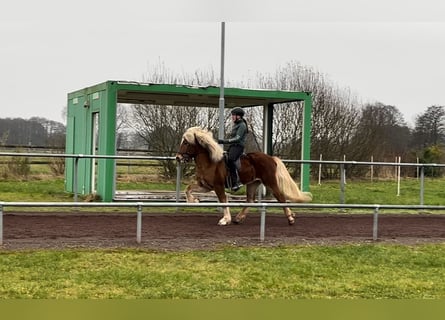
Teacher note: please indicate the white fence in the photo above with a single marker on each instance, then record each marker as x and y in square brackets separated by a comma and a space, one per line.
[342, 164]
[261, 206]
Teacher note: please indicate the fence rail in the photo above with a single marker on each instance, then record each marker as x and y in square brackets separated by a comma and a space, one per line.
[342, 164]
[261, 206]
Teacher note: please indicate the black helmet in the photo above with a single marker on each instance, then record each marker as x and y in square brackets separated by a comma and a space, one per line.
[238, 111]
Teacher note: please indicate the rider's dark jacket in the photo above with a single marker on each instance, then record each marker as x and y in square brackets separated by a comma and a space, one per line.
[238, 133]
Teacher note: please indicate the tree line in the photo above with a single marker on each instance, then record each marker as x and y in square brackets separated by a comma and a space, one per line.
[35, 131]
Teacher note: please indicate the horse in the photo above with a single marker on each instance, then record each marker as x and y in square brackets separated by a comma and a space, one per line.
[256, 167]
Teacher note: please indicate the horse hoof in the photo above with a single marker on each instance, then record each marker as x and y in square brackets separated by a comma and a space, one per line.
[238, 221]
[223, 222]
[291, 221]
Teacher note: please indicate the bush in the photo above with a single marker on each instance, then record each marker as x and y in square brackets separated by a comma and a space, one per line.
[18, 167]
[57, 166]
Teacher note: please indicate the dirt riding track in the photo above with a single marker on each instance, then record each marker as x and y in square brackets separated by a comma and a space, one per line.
[185, 231]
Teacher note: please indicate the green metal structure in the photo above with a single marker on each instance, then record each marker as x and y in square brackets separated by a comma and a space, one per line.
[91, 124]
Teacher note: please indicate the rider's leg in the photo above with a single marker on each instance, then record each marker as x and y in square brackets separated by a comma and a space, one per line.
[234, 153]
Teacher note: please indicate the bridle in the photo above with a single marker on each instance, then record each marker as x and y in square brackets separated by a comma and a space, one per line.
[187, 155]
[191, 151]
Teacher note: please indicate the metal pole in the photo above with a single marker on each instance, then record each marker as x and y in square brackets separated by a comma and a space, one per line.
[262, 223]
[342, 183]
[395, 168]
[399, 159]
[178, 181]
[422, 182]
[1, 224]
[306, 143]
[139, 224]
[221, 88]
[76, 163]
[375, 224]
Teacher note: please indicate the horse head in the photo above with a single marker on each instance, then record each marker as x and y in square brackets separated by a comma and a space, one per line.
[197, 140]
[187, 150]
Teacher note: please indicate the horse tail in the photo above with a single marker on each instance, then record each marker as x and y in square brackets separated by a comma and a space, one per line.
[288, 186]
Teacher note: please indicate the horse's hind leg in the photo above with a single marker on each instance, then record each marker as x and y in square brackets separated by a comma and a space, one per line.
[250, 198]
[281, 198]
[289, 215]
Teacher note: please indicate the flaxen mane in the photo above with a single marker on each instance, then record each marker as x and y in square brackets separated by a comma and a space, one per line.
[205, 139]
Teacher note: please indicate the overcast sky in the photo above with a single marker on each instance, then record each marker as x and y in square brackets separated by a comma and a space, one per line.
[387, 51]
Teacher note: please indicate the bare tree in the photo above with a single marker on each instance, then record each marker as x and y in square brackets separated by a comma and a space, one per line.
[334, 113]
[381, 133]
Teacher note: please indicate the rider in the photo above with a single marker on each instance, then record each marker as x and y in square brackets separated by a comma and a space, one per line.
[236, 141]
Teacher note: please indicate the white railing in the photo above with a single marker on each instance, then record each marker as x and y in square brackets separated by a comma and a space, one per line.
[342, 164]
[261, 206]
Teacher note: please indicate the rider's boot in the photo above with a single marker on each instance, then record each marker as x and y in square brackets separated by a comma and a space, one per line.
[236, 184]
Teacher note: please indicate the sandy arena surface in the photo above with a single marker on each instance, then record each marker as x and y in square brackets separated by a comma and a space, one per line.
[189, 231]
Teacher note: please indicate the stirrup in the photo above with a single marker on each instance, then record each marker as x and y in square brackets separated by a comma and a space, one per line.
[236, 187]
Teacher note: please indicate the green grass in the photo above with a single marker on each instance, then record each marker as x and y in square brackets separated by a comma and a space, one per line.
[356, 191]
[34, 190]
[381, 192]
[340, 272]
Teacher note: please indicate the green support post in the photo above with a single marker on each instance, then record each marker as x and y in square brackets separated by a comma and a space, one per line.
[306, 142]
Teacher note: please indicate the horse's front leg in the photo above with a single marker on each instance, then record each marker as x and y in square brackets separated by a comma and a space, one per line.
[251, 189]
[222, 197]
[194, 188]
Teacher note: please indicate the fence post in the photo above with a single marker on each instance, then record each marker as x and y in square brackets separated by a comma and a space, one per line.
[139, 223]
[262, 223]
[375, 224]
[399, 159]
[1, 224]
[76, 164]
[178, 182]
[342, 183]
[422, 182]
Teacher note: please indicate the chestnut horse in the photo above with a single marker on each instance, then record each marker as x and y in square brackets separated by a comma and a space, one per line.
[256, 168]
